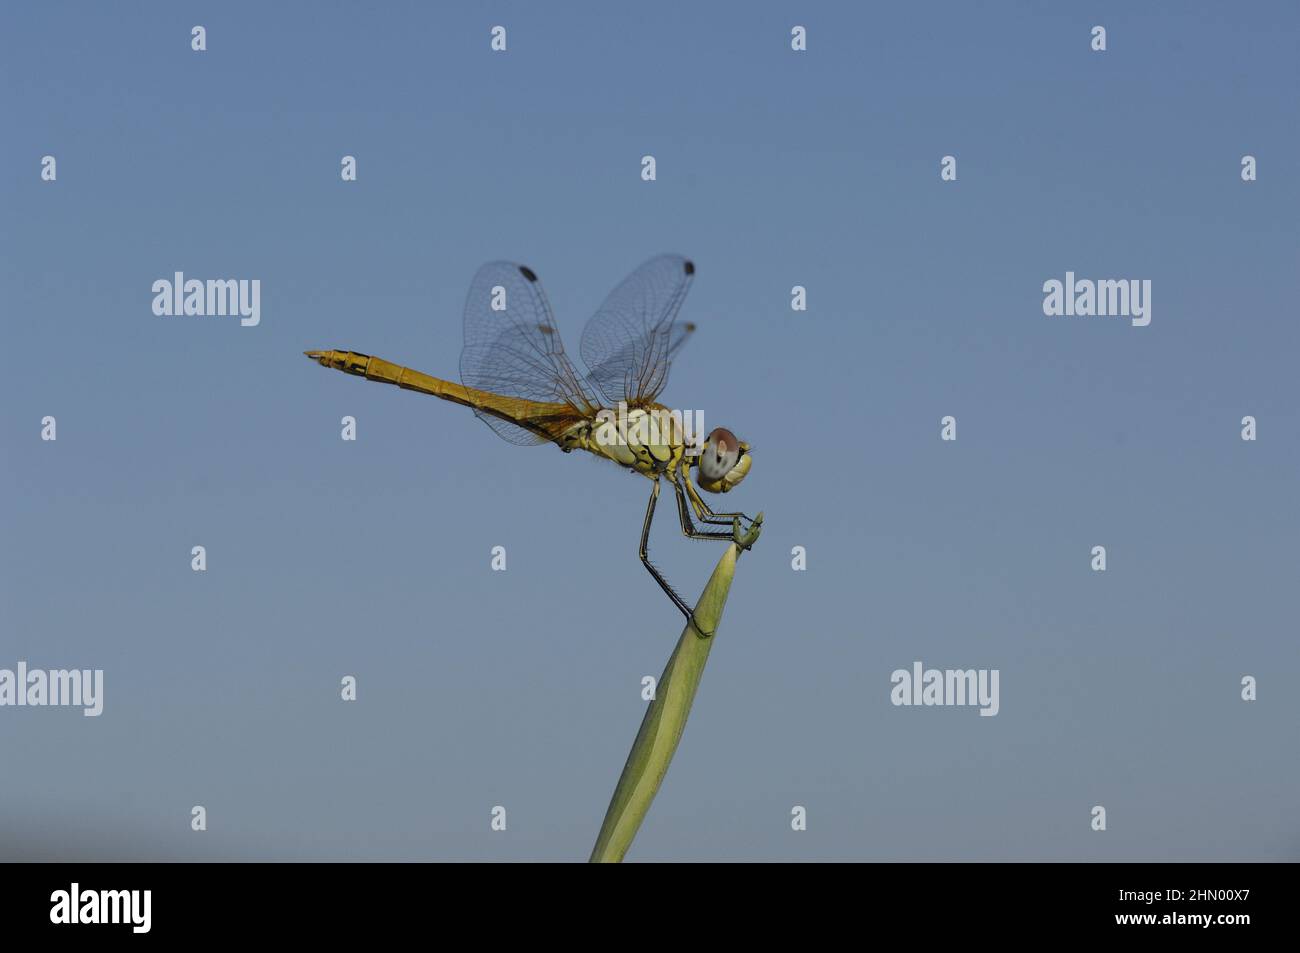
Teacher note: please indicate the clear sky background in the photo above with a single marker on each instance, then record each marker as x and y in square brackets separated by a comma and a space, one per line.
[775, 168]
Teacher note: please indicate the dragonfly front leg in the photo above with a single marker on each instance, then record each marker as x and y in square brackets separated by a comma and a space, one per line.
[678, 601]
[744, 539]
[703, 511]
[688, 527]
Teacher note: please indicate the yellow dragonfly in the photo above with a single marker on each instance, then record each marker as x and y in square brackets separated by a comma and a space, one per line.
[517, 379]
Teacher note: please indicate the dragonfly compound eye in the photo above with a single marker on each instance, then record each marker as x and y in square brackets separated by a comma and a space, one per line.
[721, 453]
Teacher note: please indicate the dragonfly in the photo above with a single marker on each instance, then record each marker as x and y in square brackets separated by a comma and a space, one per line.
[516, 377]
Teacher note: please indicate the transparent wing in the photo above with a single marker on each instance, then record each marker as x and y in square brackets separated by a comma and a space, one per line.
[513, 348]
[629, 344]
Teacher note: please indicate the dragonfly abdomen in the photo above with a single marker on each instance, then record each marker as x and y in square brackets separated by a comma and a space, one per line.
[531, 415]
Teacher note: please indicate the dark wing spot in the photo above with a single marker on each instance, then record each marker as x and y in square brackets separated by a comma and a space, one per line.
[528, 272]
[690, 267]
[690, 326]
[546, 329]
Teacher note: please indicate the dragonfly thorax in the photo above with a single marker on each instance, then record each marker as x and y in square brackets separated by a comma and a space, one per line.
[648, 440]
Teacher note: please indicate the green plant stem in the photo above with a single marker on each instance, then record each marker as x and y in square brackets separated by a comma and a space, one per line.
[661, 728]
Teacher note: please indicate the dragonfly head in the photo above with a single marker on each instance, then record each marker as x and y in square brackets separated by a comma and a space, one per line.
[723, 462]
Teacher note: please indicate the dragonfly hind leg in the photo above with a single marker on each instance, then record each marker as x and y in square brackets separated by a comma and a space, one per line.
[678, 601]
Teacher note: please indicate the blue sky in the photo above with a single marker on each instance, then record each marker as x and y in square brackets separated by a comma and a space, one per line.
[775, 169]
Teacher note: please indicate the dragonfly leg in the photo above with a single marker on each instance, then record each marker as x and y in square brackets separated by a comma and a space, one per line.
[744, 539]
[704, 512]
[678, 601]
[688, 527]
